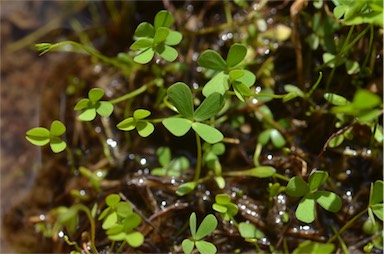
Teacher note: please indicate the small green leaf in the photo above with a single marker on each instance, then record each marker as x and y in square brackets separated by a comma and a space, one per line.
[277, 139]
[336, 141]
[124, 209]
[310, 247]
[376, 194]
[82, 104]
[296, 187]
[88, 115]
[364, 99]
[339, 11]
[248, 230]
[173, 38]
[236, 54]
[264, 137]
[127, 124]
[260, 171]
[335, 99]
[306, 211]
[57, 128]
[144, 128]
[144, 56]
[38, 136]
[187, 246]
[205, 247]
[193, 224]
[209, 107]
[163, 19]
[134, 239]
[109, 221]
[104, 108]
[145, 30]
[163, 155]
[186, 188]
[131, 221]
[168, 53]
[95, 94]
[328, 200]
[219, 208]
[378, 210]
[180, 96]
[207, 226]
[160, 35]
[210, 59]
[207, 133]
[219, 83]
[177, 126]
[112, 199]
[223, 199]
[57, 145]
[142, 44]
[141, 114]
[316, 179]
[247, 79]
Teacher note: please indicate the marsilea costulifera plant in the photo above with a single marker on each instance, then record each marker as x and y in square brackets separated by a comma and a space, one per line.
[229, 81]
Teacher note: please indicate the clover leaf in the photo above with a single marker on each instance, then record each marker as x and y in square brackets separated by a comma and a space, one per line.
[41, 136]
[376, 205]
[168, 166]
[157, 38]
[93, 105]
[306, 210]
[225, 207]
[249, 232]
[120, 221]
[314, 248]
[207, 226]
[272, 135]
[180, 96]
[138, 122]
[228, 72]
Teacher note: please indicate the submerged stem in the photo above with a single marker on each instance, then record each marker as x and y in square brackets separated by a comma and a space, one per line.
[198, 159]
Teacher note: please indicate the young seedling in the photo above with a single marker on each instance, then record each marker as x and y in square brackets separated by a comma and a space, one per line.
[119, 221]
[157, 38]
[180, 96]
[306, 210]
[250, 234]
[225, 207]
[41, 136]
[92, 105]
[314, 247]
[376, 206]
[169, 167]
[207, 226]
[138, 122]
[229, 72]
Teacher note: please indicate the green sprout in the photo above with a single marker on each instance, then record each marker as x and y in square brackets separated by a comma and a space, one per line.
[138, 122]
[225, 207]
[314, 248]
[41, 136]
[207, 226]
[119, 221]
[157, 38]
[180, 96]
[169, 167]
[93, 105]
[306, 210]
[229, 73]
[376, 205]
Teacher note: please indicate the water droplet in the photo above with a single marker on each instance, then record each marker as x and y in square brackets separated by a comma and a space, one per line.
[163, 204]
[143, 161]
[111, 142]
[254, 101]
[61, 234]
[195, 86]
[97, 129]
[131, 156]
[97, 68]
[195, 56]
[269, 156]
[82, 192]
[42, 217]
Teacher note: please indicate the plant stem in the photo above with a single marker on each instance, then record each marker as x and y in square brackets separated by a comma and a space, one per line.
[132, 94]
[85, 209]
[282, 177]
[198, 159]
[348, 224]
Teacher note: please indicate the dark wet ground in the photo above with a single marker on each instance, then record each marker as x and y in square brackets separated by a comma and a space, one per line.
[32, 94]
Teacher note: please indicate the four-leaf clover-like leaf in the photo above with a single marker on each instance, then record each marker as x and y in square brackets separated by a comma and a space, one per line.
[207, 226]
[41, 136]
[306, 211]
[143, 127]
[228, 72]
[93, 105]
[180, 96]
[157, 38]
